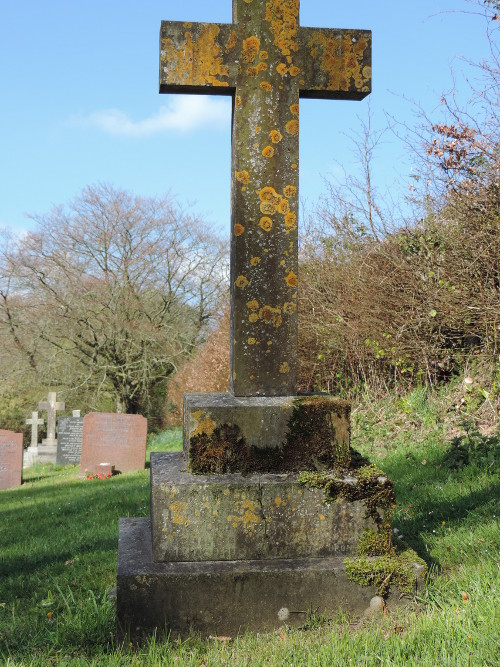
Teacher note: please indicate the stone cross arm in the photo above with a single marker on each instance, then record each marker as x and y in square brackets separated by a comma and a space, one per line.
[218, 58]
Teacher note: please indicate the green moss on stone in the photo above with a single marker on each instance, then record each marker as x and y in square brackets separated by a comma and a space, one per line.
[384, 571]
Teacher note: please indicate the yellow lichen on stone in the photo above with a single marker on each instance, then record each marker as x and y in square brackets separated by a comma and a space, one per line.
[291, 279]
[283, 17]
[289, 308]
[283, 207]
[277, 501]
[251, 341]
[254, 261]
[294, 109]
[276, 136]
[290, 191]
[250, 49]
[241, 281]
[266, 86]
[293, 70]
[242, 176]
[176, 509]
[268, 151]
[341, 59]
[231, 42]
[203, 423]
[263, 55]
[266, 223]
[198, 61]
[282, 69]
[271, 315]
[238, 229]
[284, 368]
[268, 208]
[245, 516]
[253, 305]
[253, 317]
[237, 101]
[292, 127]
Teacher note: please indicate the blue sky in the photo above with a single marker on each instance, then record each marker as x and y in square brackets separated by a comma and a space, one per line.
[80, 102]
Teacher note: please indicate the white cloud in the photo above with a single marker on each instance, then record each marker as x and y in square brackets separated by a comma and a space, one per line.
[184, 113]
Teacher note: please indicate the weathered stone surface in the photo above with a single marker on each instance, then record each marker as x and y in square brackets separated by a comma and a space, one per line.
[236, 517]
[116, 439]
[11, 459]
[69, 440]
[225, 597]
[267, 62]
[224, 433]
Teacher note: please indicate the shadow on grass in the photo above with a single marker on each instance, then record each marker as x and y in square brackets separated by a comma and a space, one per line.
[442, 488]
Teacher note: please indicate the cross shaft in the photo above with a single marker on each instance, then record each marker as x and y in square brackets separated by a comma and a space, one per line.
[266, 61]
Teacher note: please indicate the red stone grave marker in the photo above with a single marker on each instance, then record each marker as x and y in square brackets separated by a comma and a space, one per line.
[11, 459]
[117, 439]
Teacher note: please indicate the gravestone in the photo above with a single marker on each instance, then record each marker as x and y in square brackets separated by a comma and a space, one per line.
[251, 527]
[11, 459]
[30, 456]
[69, 439]
[48, 449]
[118, 440]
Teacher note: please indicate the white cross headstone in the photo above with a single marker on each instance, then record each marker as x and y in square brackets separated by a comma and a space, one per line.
[31, 454]
[52, 406]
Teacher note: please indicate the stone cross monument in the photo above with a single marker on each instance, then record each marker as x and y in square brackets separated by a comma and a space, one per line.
[31, 454]
[238, 538]
[267, 62]
[48, 448]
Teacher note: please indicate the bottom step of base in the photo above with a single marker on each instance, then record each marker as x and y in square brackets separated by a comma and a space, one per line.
[225, 597]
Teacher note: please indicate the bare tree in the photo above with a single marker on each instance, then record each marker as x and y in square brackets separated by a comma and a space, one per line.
[117, 288]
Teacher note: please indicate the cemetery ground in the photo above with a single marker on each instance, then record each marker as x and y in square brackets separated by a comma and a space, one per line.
[58, 549]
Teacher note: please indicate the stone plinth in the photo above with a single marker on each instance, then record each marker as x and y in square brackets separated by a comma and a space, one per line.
[116, 439]
[227, 597]
[224, 433]
[47, 451]
[258, 516]
[11, 459]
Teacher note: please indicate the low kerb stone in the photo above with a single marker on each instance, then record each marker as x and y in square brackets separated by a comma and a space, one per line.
[225, 433]
[258, 516]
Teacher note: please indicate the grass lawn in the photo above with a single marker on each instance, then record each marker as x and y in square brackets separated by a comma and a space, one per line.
[58, 549]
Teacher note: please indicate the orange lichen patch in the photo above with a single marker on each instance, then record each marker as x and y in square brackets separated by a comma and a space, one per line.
[241, 281]
[284, 368]
[254, 261]
[231, 41]
[198, 61]
[263, 55]
[294, 165]
[266, 85]
[238, 229]
[291, 279]
[341, 59]
[269, 194]
[268, 208]
[268, 151]
[282, 69]
[294, 108]
[290, 219]
[258, 128]
[242, 176]
[290, 191]
[237, 101]
[252, 71]
[261, 67]
[294, 70]
[253, 317]
[176, 512]
[253, 305]
[266, 224]
[203, 423]
[283, 207]
[283, 17]
[276, 136]
[292, 127]
[251, 341]
[289, 308]
[250, 49]
[269, 342]
[271, 315]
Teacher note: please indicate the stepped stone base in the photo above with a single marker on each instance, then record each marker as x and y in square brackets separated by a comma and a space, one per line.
[47, 453]
[30, 457]
[240, 517]
[225, 597]
[225, 433]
